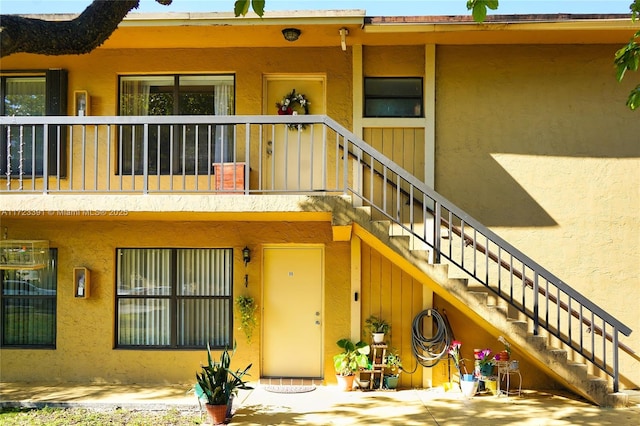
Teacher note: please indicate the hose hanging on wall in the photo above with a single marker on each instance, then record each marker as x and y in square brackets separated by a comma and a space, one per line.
[428, 351]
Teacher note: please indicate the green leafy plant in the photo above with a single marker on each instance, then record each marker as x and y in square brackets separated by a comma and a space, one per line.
[393, 362]
[353, 357]
[247, 308]
[216, 383]
[479, 8]
[628, 58]
[377, 325]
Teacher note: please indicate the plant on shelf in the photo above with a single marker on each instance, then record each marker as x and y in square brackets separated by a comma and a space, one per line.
[485, 362]
[393, 362]
[377, 327]
[217, 384]
[247, 308]
[505, 355]
[393, 368]
[353, 357]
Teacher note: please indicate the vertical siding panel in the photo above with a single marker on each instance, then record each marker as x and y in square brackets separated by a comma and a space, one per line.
[376, 271]
[393, 294]
[398, 330]
[365, 287]
[386, 271]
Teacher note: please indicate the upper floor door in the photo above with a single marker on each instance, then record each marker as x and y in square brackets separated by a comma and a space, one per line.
[294, 157]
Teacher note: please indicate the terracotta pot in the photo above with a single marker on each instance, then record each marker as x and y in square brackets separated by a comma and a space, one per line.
[345, 383]
[217, 413]
[503, 356]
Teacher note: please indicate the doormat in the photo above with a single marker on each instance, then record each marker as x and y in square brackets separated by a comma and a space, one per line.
[289, 388]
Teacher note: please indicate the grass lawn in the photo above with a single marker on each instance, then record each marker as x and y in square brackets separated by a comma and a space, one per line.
[82, 416]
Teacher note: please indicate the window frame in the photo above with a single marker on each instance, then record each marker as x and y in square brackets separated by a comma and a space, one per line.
[418, 99]
[174, 298]
[52, 267]
[156, 162]
[55, 103]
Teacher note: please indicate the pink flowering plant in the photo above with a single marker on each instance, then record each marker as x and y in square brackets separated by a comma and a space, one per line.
[485, 358]
[454, 351]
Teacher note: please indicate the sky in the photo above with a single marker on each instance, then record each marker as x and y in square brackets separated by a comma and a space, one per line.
[372, 7]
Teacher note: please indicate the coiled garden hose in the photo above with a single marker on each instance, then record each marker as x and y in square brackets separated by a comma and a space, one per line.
[428, 351]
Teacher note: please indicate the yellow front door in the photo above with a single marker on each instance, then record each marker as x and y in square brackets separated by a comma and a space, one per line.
[292, 311]
[294, 159]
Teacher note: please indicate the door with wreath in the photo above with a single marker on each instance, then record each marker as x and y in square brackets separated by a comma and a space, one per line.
[293, 158]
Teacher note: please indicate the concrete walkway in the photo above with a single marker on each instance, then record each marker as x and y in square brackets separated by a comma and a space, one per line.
[326, 405]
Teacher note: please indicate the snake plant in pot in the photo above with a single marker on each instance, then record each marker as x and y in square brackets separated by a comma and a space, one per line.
[217, 384]
[353, 357]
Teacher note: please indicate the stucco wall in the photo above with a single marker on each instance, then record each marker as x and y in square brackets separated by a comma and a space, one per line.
[85, 328]
[98, 72]
[537, 143]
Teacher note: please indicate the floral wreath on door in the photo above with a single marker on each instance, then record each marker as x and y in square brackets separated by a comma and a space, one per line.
[293, 104]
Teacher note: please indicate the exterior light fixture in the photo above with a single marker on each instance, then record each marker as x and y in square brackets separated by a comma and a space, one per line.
[291, 34]
[246, 255]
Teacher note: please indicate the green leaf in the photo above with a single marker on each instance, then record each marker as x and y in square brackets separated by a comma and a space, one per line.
[241, 7]
[479, 8]
[258, 7]
[479, 12]
[635, 9]
[492, 4]
[634, 98]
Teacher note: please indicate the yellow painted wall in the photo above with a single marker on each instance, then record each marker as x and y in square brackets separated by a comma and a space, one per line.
[391, 294]
[85, 328]
[537, 143]
[533, 141]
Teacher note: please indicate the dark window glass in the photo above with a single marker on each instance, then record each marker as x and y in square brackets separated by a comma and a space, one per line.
[393, 97]
[28, 305]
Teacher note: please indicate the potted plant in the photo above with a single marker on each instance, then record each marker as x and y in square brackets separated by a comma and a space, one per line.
[504, 355]
[353, 357]
[377, 327]
[393, 369]
[485, 363]
[217, 384]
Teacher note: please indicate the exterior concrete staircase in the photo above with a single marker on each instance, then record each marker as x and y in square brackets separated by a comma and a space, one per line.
[488, 311]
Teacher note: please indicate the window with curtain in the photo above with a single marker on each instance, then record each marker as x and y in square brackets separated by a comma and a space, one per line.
[176, 149]
[23, 96]
[174, 298]
[28, 306]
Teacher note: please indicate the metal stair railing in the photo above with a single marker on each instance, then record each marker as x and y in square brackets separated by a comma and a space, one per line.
[549, 302]
[91, 150]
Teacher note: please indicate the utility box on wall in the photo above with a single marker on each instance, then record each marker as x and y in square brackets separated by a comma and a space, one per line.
[81, 282]
[24, 254]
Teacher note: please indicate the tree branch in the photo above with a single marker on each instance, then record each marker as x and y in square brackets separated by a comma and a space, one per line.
[81, 35]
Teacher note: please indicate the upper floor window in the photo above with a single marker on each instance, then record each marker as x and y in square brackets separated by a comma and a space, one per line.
[174, 298]
[28, 306]
[22, 147]
[393, 97]
[172, 149]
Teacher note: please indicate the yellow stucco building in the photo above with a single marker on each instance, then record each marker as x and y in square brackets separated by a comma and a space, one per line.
[520, 123]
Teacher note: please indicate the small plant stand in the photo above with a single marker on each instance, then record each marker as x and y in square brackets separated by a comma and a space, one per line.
[378, 364]
[505, 371]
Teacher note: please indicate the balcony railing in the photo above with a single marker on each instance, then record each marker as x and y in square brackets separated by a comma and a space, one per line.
[302, 155]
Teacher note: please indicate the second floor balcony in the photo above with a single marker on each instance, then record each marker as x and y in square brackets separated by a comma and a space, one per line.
[173, 154]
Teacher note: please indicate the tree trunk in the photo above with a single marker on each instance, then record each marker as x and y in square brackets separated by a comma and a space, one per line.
[81, 35]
